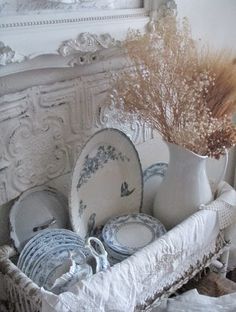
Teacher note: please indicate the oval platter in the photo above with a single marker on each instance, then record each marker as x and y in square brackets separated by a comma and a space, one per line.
[107, 181]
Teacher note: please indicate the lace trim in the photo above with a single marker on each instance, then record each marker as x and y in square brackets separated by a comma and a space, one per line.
[226, 212]
[156, 288]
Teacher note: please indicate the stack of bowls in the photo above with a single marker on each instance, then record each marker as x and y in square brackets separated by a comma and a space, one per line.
[46, 252]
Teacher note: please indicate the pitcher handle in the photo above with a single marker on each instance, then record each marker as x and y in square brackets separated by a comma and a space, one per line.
[222, 175]
[100, 254]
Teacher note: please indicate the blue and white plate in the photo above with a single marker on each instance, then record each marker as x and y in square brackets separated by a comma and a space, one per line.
[41, 243]
[45, 272]
[152, 178]
[35, 210]
[115, 255]
[107, 181]
[128, 233]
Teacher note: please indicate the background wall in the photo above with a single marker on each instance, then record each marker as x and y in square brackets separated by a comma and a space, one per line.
[212, 21]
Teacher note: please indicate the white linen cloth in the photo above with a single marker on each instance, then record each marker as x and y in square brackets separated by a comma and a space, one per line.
[149, 271]
[192, 301]
[225, 206]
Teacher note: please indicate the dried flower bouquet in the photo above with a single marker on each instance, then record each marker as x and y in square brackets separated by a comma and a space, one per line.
[187, 94]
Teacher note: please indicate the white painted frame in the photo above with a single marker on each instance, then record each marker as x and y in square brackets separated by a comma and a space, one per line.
[30, 37]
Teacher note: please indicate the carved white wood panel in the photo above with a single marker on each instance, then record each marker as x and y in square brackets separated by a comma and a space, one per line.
[43, 129]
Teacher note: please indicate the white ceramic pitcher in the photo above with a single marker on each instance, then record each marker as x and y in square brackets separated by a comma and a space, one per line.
[185, 186]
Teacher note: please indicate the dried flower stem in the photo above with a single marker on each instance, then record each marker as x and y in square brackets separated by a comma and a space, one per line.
[186, 94]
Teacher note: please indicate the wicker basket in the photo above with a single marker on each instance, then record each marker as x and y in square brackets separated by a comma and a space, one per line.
[25, 296]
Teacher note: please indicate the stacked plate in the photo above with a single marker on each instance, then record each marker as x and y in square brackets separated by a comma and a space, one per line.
[39, 208]
[46, 252]
[126, 234]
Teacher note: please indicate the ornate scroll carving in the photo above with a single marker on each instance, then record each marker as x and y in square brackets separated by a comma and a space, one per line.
[44, 128]
[87, 42]
[40, 152]
[8, 56]
[160, 10]
[166, 8]
[102, 114]
[84, 49]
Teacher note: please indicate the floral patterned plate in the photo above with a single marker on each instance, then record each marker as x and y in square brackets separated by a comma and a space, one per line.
[107, 181]
[46, 270]
[40, 244]
[35, 210]
[128, 233]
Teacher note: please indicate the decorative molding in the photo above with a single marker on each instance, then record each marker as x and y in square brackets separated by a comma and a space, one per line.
[41, 6]
[137, 130]
[160, 10]
[44, 128]
[71, 20]
[85, 48]
[49, 51]
[8, 56]
[168, 7]
[87, 42]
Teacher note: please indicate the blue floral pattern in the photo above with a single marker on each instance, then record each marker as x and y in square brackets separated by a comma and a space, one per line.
[116, 224]
[82, 207]
[92, 164]
[158, 169]
[91, 225]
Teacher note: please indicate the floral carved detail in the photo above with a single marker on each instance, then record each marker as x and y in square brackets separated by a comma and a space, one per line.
[86, 45]
[40, 153]
[92, 164]
[166, 8]
[137, 130]
[8, 56]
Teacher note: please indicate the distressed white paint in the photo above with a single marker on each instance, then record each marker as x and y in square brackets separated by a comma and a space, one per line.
[44, 127]
[27, 6]
[52, 103]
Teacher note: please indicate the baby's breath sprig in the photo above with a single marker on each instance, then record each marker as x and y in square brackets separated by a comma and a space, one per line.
[187, 94]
